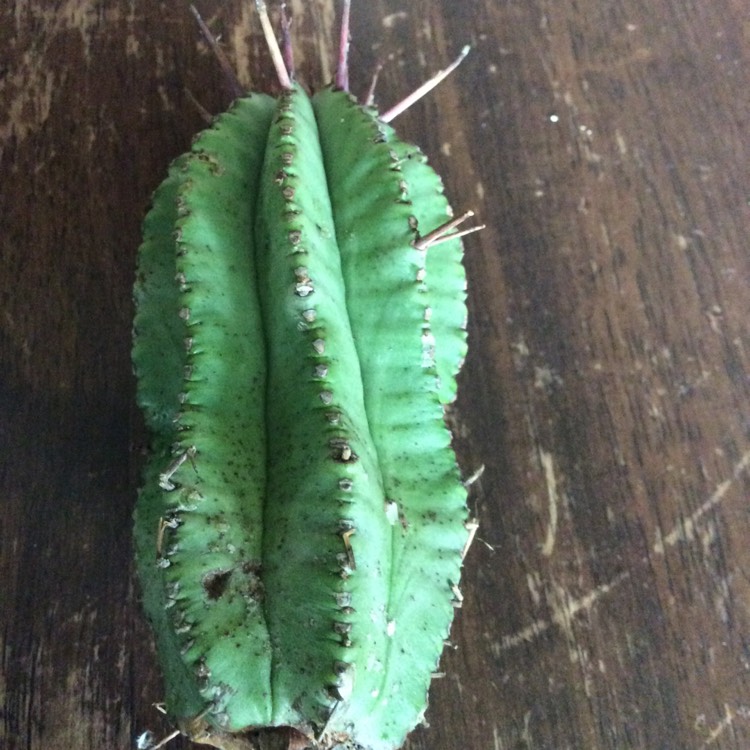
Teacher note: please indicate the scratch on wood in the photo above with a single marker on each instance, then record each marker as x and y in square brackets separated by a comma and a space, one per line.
[564, 609]
[240, 43]
[389, 21]
[721, 727]
[685, 530]
[526, 735]
[497, 740]
[322, 39]
[29, 85]
[550, 478]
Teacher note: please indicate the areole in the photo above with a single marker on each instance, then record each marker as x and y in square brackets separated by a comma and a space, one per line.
[302, 522]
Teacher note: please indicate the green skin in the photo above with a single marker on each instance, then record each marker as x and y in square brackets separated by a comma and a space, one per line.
[294, 353]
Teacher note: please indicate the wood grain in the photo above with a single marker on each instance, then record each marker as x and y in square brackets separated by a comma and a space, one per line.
[606, 393]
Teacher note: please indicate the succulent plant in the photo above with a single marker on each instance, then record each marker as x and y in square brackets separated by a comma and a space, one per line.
[300, 530]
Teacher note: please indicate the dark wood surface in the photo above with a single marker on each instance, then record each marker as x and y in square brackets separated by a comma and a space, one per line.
[607, 147]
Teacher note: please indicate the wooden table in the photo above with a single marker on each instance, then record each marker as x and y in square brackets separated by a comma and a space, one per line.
[606, 394]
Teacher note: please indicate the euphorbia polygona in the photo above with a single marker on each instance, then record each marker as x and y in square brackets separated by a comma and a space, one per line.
[300, 530]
